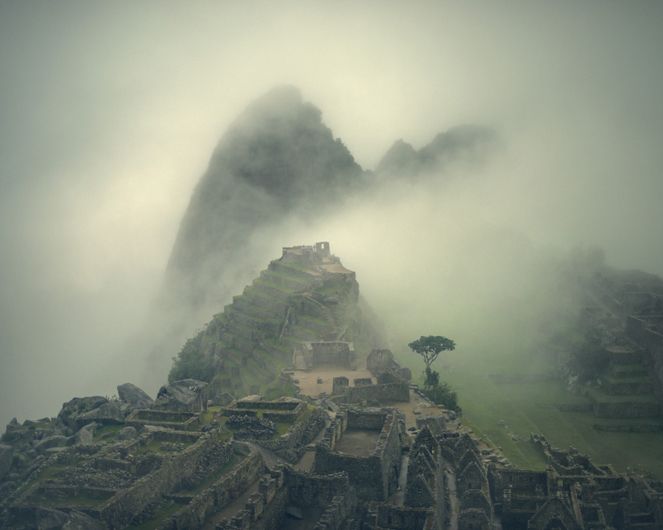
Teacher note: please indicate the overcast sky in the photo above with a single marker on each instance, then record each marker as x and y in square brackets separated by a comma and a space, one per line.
[109, 113]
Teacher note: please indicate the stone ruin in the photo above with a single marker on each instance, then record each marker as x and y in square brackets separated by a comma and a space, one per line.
[367, 472]
[390, 388]
[380, 361]
[311, 354]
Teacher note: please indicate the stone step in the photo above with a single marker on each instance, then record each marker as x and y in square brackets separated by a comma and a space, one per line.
[622, 406]
[265, 360]
[246, 304]
[237, 342]
[303, 333]
[292, 342]
[318, 325]
[259, 372]
[267, 301]
[236, 357]
[286, 280]
[628, 370]
[282, 352]
[293, 269]
[246, 332]
[259, 325]
[272, 289]
[307, 306]
[627, 385]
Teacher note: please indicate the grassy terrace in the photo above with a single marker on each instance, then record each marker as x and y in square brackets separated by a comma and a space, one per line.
[279, 274]
[254, 293]
[162, 515]
[296, 266]
[601, 395]
[278, 286]
[530, 407]
[628, 370]
[637, 379]
[211, 480]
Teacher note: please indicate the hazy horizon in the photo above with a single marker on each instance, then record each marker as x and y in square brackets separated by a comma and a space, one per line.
[109, 114]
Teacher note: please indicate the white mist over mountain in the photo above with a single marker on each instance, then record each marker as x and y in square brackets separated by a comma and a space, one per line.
[109, 115]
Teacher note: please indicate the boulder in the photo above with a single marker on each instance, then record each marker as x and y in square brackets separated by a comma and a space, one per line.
[85, 436]
[80, 521]
[187, 395]
[6, 457]
[128, 433]
[12, 425]
[224, 399]
[379, 361]
[436, 423]
[294, 511]
[108, 414]
[72, 411]
[134, 397]
[49, 519]
[253, 398]
[53, 441]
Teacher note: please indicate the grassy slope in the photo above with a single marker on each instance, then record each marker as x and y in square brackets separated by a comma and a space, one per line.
[529, 407]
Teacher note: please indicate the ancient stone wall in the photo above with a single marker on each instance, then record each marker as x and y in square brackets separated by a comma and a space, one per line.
[369, 421]
[291, 445]
[375, 476]
[400, 518]
[627, 410]
[120, 509]
[179, 421]
[269, 501]
[312, 489]
[329, 352]
[341, 507]
[392, 392]
[219, 495]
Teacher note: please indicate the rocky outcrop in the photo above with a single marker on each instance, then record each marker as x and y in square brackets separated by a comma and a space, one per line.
[133, 397]
[82, 411]
[187, 395]
[6, 456]
[49, 519]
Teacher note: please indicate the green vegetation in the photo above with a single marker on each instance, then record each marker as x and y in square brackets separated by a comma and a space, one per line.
[162, 515]
[430, 348]
[107, 433]
[224, 469]
[530, 407]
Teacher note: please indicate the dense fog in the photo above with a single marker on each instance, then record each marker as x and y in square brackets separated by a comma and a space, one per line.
[110, 113]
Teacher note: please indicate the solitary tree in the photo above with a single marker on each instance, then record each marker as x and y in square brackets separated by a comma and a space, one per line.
[429, 348]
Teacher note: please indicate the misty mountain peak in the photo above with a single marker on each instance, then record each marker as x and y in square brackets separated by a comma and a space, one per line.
[275, 159]
[280, 144]
[469, 143]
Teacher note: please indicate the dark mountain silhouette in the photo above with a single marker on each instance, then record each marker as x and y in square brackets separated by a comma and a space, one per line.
[275, 159]
[275, 162]
[466, 143]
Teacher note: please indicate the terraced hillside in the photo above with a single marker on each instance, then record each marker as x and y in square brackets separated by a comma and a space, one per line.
[306, 295]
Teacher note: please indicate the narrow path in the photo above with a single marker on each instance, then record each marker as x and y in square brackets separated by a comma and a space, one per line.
[453, 497]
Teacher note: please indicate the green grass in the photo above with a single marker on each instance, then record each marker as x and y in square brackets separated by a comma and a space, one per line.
[107, 429]
[601, 395]
[226, 467]
[530, 407]
[279, 274]
[278, 286]
[78, 500]
[297, 266]
[155, 447]
[162, 515]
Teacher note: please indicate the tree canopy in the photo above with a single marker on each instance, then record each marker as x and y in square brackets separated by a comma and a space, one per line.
[430, 347]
